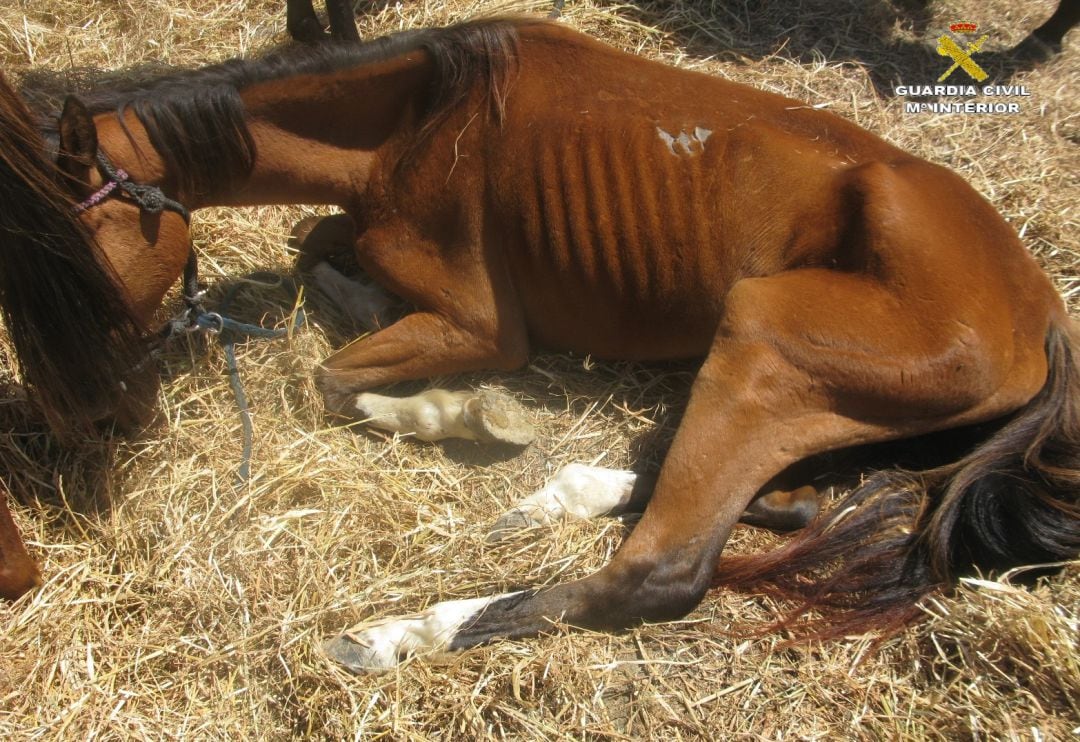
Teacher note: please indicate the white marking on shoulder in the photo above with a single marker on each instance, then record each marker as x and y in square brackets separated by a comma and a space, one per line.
[666, 139]
[379, 646]
[688, 144]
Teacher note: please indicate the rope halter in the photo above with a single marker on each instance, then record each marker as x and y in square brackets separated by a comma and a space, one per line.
[152, 200]
[149, 198]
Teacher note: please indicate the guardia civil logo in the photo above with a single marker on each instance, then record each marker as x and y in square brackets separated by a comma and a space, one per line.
[960, 45]
[962, 57]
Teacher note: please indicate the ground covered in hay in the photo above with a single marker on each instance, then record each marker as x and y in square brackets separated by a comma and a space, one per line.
[179, 605]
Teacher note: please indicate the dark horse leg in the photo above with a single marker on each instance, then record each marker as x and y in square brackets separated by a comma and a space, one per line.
[771, 392]
[342, 22]
[303, 25]
[1047, 38]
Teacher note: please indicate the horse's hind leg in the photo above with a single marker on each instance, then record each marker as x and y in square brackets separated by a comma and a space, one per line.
[582, 491]
[804, 362]
[783, 510]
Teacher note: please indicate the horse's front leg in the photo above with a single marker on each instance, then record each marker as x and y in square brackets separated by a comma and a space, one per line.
[418, 346]
[438, 414]
[342, 22]
[302, 23]
[469, 320]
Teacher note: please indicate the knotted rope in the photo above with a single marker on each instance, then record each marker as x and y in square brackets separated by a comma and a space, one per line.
[228, 332]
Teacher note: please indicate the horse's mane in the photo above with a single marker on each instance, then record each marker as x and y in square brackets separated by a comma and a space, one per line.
[195, 118]
[74, 335]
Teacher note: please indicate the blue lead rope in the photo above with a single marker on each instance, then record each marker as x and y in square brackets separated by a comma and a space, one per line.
[195, 318]
[229, 331]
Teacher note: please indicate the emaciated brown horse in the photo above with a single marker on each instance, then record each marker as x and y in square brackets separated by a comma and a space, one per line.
[839, 290]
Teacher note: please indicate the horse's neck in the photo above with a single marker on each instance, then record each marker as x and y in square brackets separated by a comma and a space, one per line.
[317, 137]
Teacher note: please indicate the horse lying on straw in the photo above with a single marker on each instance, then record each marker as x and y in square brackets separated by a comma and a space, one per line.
[839, 291]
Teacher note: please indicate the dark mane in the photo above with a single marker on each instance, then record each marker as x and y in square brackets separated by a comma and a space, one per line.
[74, 336]
[195, 118]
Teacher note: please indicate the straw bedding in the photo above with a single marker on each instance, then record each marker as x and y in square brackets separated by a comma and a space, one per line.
[178, 605]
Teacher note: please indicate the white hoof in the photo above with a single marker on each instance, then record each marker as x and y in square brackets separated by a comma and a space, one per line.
[380, 646]
[438, 414]
[576, 490]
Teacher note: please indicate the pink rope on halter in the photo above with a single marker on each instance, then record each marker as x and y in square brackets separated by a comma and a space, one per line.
[100, 194]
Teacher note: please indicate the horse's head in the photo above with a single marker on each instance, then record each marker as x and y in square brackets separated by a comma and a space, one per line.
[79, 283]
[141, 231]
[139, 236]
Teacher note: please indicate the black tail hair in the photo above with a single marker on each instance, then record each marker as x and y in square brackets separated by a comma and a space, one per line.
[1014, 500]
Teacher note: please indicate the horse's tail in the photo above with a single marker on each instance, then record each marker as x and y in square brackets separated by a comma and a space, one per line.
[73, 333]
[1013, 500]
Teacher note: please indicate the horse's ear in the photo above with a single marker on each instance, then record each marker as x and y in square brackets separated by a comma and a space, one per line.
[78, 136]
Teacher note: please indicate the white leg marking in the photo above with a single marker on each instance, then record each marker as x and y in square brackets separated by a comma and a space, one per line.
[365, 303]
[429, 416]
[576, 490]
[437, 414]
[379, 646]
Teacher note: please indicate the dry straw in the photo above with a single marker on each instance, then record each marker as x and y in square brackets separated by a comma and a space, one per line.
[177, 606]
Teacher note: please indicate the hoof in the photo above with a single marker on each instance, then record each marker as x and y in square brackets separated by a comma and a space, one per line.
[508, 524]
[308, 31]
[356, 657]
[496, 418]
[337, 399]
